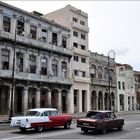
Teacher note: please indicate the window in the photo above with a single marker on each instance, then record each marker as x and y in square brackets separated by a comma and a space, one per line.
[83, 60]
[54, 67]
[19, 57]
[83, 47]
[82, 22]
[93, 71]
[76, 73]
[75, 44]
[75, 19]
[32, 64]
[54, 39]
[64, 69]
[20, 27]
[44, 66]
[123, 85]
[6, 24]
[75, 33]
[83, 36]
[44, 35]
[119, 84]
[76, 58]
[5, 59]
[64, 41]
[33, 32]
[54, 113]
[83, 74]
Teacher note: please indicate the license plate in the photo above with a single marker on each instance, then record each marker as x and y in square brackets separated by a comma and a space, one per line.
[85, 123]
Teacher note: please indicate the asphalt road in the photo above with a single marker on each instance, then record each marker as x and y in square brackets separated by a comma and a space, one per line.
[131, 131]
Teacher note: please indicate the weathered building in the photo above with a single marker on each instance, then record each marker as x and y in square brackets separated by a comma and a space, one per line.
[77, 21]
[137, 88]
[41, 51]
[103, 86]
[125, 88]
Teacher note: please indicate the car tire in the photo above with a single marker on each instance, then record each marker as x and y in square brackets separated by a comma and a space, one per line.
[104, 130]
[22, 129]
[67, 125]
[39, 128]
[120, 128]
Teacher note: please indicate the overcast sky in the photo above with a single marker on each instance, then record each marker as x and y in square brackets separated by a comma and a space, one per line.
[114, 25]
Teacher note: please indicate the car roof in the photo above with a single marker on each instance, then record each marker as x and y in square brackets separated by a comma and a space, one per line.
[43, 109]
[101, 111]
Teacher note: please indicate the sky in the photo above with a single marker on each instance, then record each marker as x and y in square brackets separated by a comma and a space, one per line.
[113, 25]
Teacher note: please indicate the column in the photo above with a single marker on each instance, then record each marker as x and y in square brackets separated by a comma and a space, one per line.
[38, 98]
[59, 38]
[59, 68]
[25, 99]
[68, 102]
[13, 25]
[59, 100]
[39, 31]
[80, 100]
[96, 101]
[1, 20]
[103, 101]
[131, 103]
[38, 64]
[88, 99]
[49, 70]
[26, 63]
[50, 37]
[71, 92]
[49, 98]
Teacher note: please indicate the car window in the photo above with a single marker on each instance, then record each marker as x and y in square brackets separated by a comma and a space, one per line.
[95, 115]
[54, 113]
[110, 115]
[33, 113]
[46, 113]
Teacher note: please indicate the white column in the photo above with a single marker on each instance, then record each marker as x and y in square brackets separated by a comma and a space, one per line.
[26, 63]
[59, 38]
[1, 20]
[59, 68]
[131, 103]
[71, 100]
[80, 100]
[49, 36]
[103, 101]
[96, 101]
[59, 100]
[38, 98]
[49, 98]
[88, 100]
[68, 102]
[38, 64]
[49, 70]
[25, 99]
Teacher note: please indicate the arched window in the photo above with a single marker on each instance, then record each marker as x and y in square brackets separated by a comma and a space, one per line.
[100, 72]
[93, 71]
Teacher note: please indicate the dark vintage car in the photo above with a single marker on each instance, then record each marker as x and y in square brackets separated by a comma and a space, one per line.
[100, 121]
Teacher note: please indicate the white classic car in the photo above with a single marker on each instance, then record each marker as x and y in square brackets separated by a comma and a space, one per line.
[41, 118]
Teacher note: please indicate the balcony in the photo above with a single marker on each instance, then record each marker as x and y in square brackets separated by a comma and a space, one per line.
[81, 52]
[81, 79]
[101, 82]
[35, 77]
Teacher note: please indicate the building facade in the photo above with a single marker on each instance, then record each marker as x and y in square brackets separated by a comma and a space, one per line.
[125, 88]
[137, 88]
[39, 53]
[103, 92]
[77, 21]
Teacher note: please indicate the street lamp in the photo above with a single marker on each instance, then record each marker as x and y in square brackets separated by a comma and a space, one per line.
[20, 28]
[111, 54]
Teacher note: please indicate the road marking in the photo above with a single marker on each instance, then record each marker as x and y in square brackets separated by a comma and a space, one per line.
[13, 138]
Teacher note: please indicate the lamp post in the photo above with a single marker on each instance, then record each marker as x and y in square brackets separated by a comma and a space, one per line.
[20, 30]
[111, 54]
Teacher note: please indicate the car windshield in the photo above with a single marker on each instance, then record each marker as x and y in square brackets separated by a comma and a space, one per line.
[33, 113]
[95, 115]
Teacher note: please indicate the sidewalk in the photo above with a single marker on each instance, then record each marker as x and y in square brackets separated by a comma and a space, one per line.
[5, 118]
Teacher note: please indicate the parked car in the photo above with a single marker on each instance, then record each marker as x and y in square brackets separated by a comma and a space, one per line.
[100, 121]
[41, 118]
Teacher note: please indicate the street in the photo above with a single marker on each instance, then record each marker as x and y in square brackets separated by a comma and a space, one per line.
[131, 131]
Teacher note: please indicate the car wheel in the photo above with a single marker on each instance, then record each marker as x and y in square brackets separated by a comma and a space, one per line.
[39, 128]
[67, 125]
[120, 128]
[22, 129]
[104, 130]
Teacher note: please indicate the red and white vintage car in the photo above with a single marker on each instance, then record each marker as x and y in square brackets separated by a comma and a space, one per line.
[41, 118]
